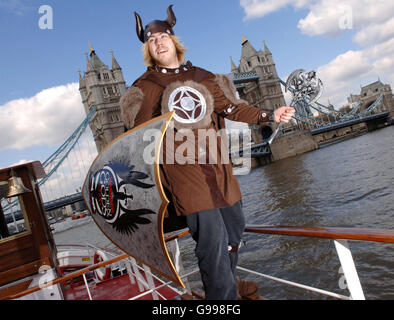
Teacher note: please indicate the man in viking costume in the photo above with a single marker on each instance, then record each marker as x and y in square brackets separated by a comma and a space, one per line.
[205, 193]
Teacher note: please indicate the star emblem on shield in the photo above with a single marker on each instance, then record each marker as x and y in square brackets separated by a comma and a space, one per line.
[189, 105]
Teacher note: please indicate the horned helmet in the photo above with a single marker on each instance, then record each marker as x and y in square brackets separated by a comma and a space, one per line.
[155, 25]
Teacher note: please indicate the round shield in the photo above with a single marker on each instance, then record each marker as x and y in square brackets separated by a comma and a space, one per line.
[189, 105]
[124, 194]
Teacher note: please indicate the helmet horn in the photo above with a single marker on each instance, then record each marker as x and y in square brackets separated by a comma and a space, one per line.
[171, 19]
[139, 27]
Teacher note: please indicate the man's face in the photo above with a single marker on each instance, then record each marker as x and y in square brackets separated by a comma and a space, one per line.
[163, 50]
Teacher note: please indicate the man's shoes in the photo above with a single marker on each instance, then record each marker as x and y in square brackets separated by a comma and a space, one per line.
[187, 296]
[246, 289]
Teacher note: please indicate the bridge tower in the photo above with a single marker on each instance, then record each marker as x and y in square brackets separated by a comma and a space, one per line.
[266, 92]
[102, 87]
[369, 93]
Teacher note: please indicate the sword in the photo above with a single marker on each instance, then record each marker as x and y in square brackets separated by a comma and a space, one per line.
[302, 85]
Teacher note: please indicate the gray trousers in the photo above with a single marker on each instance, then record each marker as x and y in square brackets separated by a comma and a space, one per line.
[214, 231]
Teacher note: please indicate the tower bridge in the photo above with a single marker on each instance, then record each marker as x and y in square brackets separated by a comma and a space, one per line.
[256, 81]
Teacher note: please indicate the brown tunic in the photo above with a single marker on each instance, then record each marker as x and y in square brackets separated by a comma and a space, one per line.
[193, 186]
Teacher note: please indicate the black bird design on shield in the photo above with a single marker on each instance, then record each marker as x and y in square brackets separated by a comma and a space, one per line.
[110, 196]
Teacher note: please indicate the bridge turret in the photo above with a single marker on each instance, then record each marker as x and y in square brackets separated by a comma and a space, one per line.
[234, 69]
[266, 50]
[103, 89]
[249, 54]
[118, 75]
[265, 91]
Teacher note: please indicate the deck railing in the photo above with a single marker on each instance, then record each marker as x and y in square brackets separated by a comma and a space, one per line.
[338, 235]
[144, 280]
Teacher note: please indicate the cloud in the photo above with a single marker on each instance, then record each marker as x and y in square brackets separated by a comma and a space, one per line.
[372, 23]
[260, 8]
[334, 16]
[14, 6]
[375, 33]
[357, 65]
[381, 50]
[328, 16]
[48, 118]
[344, 74]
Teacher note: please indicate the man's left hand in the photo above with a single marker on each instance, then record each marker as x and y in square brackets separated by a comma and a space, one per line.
[283, 114]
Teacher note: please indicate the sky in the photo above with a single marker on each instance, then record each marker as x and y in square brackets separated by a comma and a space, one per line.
[350, 43]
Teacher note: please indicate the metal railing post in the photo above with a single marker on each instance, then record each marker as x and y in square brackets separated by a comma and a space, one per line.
[87, 286]
[349, 269]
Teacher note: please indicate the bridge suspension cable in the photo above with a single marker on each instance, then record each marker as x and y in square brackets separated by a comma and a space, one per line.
[66, 167]
[56, 159]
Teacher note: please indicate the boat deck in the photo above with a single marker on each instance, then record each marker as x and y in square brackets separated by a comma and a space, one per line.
[118, 288]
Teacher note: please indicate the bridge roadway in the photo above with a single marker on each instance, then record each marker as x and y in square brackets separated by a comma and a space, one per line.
[61, 202]
[49, 206]
[345, 123]
[257, 150]
[263, 149]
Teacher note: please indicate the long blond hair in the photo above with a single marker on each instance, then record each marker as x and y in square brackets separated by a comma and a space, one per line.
[180, 51]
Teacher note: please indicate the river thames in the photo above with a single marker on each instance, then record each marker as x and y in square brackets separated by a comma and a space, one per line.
[347, 184]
